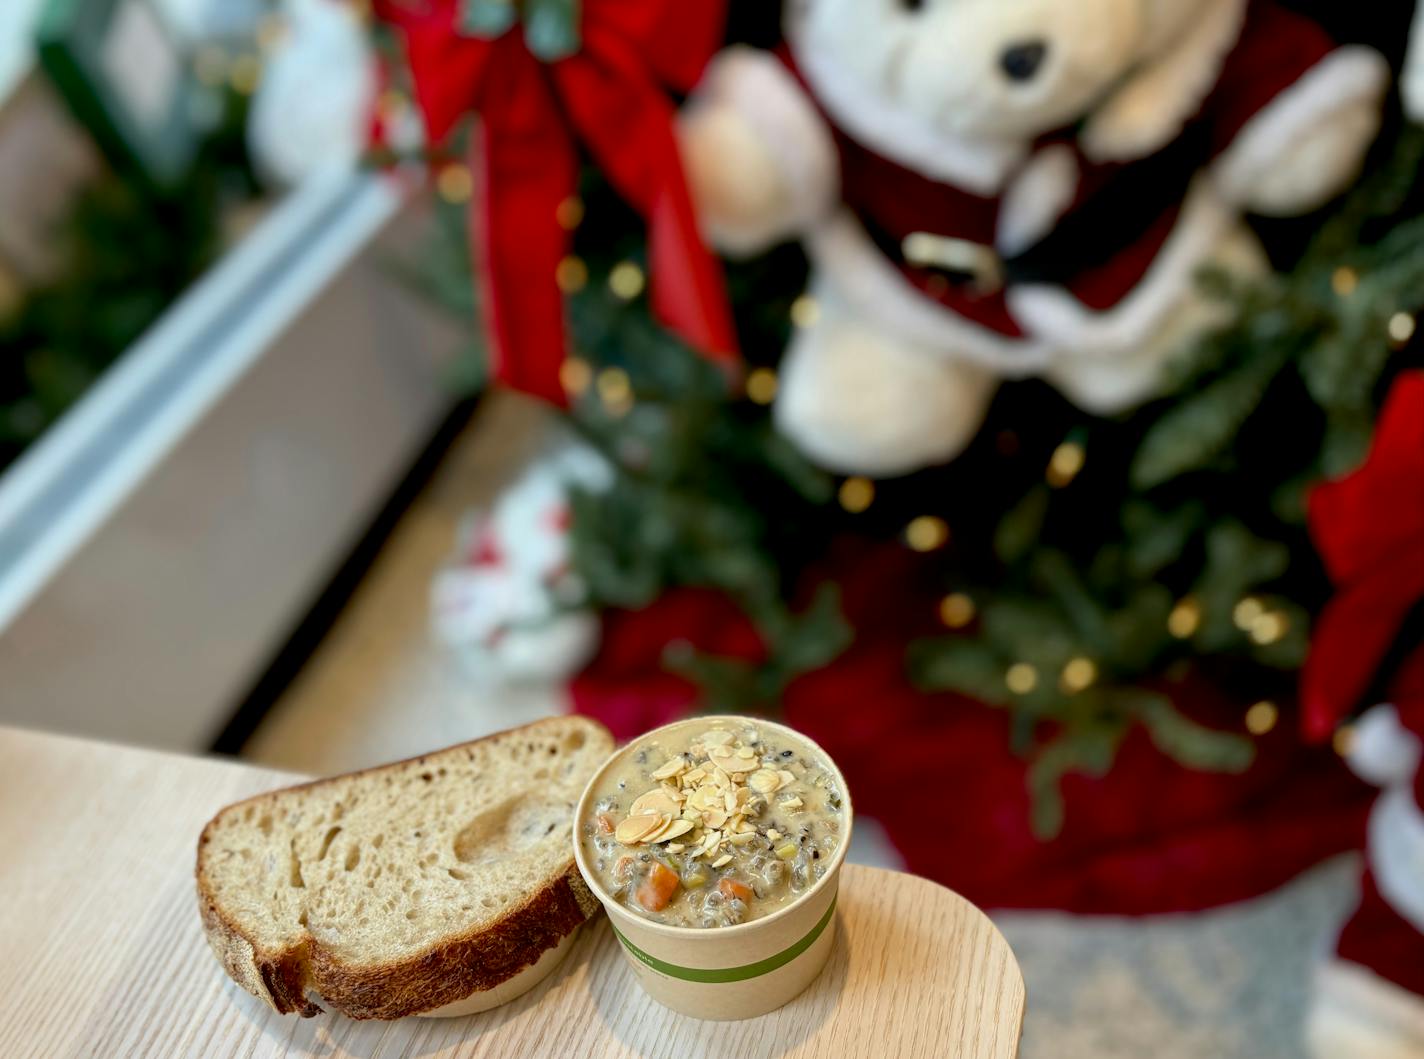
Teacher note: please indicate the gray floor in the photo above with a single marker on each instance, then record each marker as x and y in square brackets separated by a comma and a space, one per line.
[1229, 984]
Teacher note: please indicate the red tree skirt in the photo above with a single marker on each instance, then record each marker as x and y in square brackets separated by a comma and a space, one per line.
[936, 769]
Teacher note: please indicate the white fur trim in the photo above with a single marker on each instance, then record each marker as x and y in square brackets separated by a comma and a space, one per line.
[887, 128]
[311, 107]
[1356, 1014]
[1151, 108]
[864, 277]
[1108, 385]
[1037, 198]
[858, 399]
[1350, 75]
[1050, 310]
[1411, 78]
[763, 92]
[1383, 751]
[1396, 852]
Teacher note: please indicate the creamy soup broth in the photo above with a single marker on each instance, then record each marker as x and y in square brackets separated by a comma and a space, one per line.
[713, 825]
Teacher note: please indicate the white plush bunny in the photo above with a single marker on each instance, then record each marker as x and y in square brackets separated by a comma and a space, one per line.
[1000, 188]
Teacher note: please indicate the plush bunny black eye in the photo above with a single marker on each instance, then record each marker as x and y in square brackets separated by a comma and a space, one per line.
[912, 5]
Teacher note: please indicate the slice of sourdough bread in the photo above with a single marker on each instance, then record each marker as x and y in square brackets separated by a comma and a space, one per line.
[403, 888]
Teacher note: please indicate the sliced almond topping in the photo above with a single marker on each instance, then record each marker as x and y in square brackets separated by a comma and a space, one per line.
[725, 858]
[675, 847]
[730, 801]
[792, 803]
[786, 776]
[746, 752]
[716, 737]
[669, 769]
[695, 775]
[652, 836]
[730, 761]
[773, 834]
[636, 828]
[672, 792]
[658, 801]
[714, 818]
[741, 838]
[673, 830]
[720, 777]
[765, 781]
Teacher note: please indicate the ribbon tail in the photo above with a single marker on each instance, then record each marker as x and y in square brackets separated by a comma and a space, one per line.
[627, 124]
[526, 165]
[688, 289]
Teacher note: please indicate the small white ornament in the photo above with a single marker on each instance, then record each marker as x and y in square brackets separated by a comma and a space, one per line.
[311, 111]
[510, 602]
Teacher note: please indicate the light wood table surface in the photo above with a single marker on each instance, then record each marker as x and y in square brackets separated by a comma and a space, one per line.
[101, 952]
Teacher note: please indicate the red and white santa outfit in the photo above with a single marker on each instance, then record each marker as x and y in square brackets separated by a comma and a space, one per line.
[1097, 231]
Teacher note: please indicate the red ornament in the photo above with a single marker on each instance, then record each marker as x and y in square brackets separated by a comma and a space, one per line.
[610, 98]
[1369, 528]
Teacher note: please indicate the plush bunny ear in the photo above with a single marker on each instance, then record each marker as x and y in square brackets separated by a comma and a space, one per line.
[1149, 109]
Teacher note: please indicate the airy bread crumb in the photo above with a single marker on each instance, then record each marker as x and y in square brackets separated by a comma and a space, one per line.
[403, 888]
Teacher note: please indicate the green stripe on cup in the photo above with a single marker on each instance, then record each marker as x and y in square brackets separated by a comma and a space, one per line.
[730, 974]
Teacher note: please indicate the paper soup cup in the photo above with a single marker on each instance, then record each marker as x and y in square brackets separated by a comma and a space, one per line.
[734, 972]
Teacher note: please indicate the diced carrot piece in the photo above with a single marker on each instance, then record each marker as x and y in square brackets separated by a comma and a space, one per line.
[732, 888]
[605, 823]
[656, 890]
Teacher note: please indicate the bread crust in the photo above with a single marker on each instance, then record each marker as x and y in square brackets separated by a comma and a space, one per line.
[448, 971]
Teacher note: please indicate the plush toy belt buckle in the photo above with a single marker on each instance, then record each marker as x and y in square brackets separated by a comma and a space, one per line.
[981, 263]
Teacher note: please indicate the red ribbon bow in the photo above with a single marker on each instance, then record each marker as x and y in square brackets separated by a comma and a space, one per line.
[610, 97]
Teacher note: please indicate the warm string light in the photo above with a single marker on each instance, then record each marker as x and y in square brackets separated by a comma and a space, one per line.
[615, 391]
[1078, 675]
[1263, 625]
[454, 183]
[762, 385]
[1066, 463]
[805, 311]
[1345, 281]
[856, 495]
[957, 610]
[1270, 628]
[1021, 678]
[571, 274]
[927, 533]
[1247, 612]
[1262, 717]
[391, 107]
[1343, 741]
[575, 376]
[626, 281]
[1185, 619]
[244, 74]
[569, 213]
[1401, 329]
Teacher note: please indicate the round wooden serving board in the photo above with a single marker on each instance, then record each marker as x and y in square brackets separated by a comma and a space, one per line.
[99, 898]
